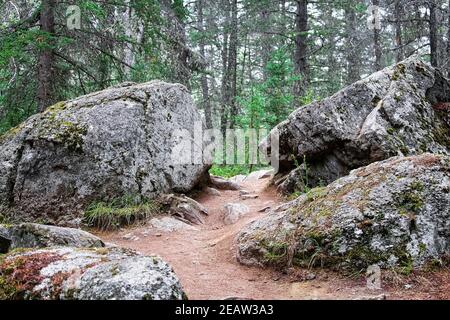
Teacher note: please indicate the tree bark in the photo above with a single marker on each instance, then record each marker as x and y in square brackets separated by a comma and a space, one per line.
[225, 76]
[176, 30]
[352, 50]
[300, 55]
[398, 13]
[232, 63]
[376, 41]
[46, 65]
[206, 103]
[448, 41]
[266, 46]
[433, 34]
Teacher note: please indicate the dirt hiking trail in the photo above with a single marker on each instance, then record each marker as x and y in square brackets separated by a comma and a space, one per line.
[204, 258]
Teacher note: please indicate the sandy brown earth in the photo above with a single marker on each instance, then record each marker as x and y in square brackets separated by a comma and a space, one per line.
[204, 259]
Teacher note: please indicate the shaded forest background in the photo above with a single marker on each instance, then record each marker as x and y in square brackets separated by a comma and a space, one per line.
[248, 63]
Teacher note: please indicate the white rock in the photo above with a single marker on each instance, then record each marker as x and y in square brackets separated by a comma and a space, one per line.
[234, 211]
[170, 224]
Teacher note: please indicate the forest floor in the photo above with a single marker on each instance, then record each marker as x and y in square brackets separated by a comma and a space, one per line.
[204, 260]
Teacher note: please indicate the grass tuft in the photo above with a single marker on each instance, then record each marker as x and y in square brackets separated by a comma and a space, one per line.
[120, 212]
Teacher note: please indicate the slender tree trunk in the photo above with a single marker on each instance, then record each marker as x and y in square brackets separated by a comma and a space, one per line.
[266, 46]
[232, 62]
[46, 65]
[176, 30]
[352, 46]
[448, 41]
[284, 18]
[244, 61]
[376, 41]
[433, 34]
[300, 55]
[225, 75]
[398, 13]
[204, 79]
[128, 55]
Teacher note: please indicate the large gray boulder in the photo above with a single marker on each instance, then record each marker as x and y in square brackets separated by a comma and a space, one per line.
[32, 235]
[394, 213]
[87, 274]
[101, 146]
[401, 110]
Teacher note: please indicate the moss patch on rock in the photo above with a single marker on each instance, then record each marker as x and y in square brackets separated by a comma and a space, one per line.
[60, 128]
[19, 275]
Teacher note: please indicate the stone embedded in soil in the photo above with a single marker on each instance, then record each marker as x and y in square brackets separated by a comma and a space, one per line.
[185, 208]
[234, 211]
[87, 274]
[212, 191]
[257, 175]
[394, 213]
[238, 179]
[169, 224]
[33, 235]
[130, 237]
[224, 184]
[249, 196]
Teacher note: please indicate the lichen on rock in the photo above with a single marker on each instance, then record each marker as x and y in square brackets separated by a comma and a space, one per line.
[392, 112]
[394, 213]
[87, 274]
[98, 147]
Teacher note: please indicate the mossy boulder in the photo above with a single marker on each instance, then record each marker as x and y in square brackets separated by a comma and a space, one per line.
[394, 213]
[86, 274]
[99, 147]
[396, 111]
[33, 235]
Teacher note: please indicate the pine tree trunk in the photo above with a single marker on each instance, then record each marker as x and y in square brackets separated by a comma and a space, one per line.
[176, 30]
[398, 12]
[448, 41]
[204, 79]
[266, 46]
[225, 75]
[46, 79]
[376, 41]
[352, 46]
[300, 56]
[232, 63]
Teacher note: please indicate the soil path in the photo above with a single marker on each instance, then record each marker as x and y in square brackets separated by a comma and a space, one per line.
[204, 259]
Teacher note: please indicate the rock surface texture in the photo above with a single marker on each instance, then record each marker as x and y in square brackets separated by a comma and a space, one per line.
[396, 111]
[87, 274]
[32, 235]
[394, 213]
[101, 146]
[233, 212]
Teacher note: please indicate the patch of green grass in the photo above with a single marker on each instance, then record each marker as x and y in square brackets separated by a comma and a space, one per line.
[294, 195]
[228, 171]
[120, 212]
[316, 193]
[276, 252]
